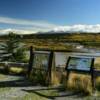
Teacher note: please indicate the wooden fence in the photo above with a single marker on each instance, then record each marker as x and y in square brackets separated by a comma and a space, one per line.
[6, 67]
[29, 66]
[52, 57]
[14, 64]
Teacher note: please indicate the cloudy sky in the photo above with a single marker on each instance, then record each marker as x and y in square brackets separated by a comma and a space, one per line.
[30, 16]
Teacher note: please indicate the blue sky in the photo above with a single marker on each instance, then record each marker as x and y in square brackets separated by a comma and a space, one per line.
[45, 15]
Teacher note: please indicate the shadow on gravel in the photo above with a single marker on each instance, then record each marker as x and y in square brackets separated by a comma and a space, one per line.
[61, 93]
[16, 83]
[21, 81]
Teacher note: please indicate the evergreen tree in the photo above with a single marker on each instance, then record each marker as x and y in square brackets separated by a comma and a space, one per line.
[12, 48]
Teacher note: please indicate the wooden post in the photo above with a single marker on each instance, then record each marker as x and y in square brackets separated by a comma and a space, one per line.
[50, 63]
[92, 76]
[6, 67]
[67, 78]
[30, 61]
[67, 73]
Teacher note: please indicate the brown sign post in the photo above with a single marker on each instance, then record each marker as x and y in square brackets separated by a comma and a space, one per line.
[50, 63]
[30, 61]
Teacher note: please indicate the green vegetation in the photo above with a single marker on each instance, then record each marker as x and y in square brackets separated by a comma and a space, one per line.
[39, 72]
[12, 46]
[53, 40]
[16, 70]
[38, 76]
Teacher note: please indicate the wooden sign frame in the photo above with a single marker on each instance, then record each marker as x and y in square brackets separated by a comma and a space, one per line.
[90, 72]
[50, 62]
[79, 70]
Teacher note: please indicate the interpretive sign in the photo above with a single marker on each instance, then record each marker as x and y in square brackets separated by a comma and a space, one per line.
[79, 63]
[41, 61]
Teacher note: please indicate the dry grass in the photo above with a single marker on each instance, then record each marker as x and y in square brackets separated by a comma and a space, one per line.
[17, 70]
[80, 83]
[98, 83]
[76, 82]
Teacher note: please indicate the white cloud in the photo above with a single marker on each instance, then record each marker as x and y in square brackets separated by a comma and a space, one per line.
[6, 31]
[30, 26]
[21, 26]
[73, 28]
[40, 24]
[79, 28]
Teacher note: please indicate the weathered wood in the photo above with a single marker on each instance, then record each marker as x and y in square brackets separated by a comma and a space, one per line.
[41, 52]
[97, 73]
[67, 72]
[93, 76]
[30, 61]
[70, 53]
[67, 78]
[92, 72]
[13, 64]
[50, 63]
[8, 65]
[40, 49]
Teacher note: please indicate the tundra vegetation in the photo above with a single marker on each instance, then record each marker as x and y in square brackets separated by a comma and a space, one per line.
[66, 41]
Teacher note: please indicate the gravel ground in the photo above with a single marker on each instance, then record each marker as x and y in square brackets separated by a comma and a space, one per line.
[19, 88]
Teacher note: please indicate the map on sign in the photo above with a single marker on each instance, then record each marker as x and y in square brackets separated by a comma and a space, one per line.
[79, 63]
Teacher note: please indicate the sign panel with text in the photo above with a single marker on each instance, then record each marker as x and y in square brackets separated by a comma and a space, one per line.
[79, 63]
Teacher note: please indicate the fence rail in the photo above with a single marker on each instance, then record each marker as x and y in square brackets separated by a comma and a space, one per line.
[97, 72]
[14, 64]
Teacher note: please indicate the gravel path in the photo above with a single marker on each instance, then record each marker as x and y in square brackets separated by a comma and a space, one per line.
[19, 88]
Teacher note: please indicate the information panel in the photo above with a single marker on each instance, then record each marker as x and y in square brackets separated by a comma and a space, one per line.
[41, 61]
[79, 63]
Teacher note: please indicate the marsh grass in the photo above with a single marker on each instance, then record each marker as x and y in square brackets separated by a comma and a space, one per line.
[98, 83]
[80, 83]
[77, 82]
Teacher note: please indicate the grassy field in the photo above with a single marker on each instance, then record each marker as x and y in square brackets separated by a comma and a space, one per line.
[53, 40]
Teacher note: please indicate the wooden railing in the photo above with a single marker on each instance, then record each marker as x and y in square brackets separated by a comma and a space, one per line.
[51, 59]
[14, 64]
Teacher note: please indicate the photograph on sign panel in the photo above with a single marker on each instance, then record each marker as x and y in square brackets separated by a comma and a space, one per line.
[79, 63]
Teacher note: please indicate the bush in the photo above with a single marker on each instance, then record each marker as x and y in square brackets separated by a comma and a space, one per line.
[38, 77]
[13, 47]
